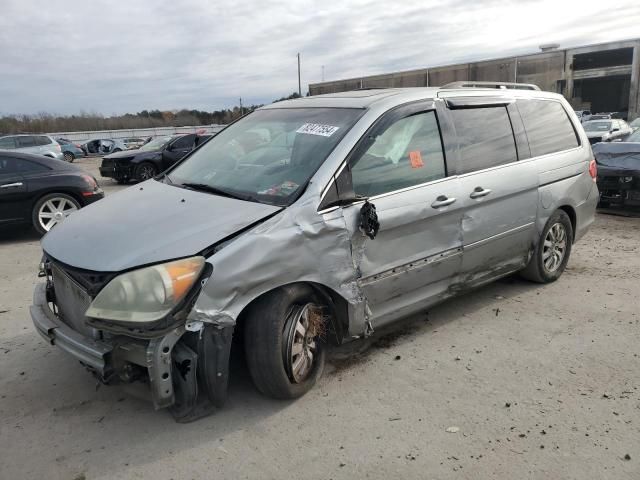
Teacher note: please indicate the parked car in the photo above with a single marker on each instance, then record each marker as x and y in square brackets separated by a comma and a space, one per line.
[42, 191]
[583, 115]
[150, 159]
[619, 171]
[635, 125]
[103, 146]
[600, 116]
[70, 150]
[388, 202]
[606, 130]
[37, 144]
[133, 142]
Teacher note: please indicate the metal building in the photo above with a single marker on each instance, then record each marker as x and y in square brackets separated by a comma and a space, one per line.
[601, 78]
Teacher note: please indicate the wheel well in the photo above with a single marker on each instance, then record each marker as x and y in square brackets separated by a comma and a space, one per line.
[568, 209]
[338, 306]
[73, 195]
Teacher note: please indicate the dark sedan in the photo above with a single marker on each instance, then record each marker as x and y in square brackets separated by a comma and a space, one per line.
[150, 159]
[619, 171]
[42, 191]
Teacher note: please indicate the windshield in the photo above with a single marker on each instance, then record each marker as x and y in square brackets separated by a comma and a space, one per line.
[156, 143]
[597, 126]
[635, 123]
[268, 156]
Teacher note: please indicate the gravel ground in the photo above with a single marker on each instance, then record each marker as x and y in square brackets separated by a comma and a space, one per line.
[514, 380]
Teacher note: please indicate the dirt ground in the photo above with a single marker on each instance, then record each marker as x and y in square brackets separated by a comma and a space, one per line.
[512, 381]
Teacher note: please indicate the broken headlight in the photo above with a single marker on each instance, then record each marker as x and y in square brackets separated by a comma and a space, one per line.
[147, 294]
[625, 179]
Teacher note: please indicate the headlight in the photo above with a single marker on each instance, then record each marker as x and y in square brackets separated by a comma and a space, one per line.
[148, 294]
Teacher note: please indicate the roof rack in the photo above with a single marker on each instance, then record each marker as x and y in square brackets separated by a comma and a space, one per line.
[499, 85]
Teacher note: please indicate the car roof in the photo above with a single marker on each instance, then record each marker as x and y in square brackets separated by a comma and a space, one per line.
[41, 159]
[367, 98]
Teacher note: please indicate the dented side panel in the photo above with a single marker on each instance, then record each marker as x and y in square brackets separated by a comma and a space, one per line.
[297, 245]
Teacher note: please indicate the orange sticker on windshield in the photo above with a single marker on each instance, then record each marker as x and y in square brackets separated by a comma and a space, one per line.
[416, 159]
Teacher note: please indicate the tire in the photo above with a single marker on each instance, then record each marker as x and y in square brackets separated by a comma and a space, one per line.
[552, 252]
[69, 157]
[121, 181]
[270, 335]
[51, 210]
[145, 171]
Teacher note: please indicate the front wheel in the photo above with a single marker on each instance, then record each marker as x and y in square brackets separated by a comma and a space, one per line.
[284, 342]
[552, 252]
[51, 210]
[145, 171]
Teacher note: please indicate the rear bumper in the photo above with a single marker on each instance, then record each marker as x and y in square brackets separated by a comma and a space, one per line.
[90, 352]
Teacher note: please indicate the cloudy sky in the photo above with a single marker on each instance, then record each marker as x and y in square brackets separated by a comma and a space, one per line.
[114, 56]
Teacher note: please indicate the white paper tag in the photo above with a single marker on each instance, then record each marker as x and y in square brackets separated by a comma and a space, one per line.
[318, 129]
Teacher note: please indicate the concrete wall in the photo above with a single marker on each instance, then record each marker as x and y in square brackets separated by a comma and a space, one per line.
[551, 71]
[135, 132]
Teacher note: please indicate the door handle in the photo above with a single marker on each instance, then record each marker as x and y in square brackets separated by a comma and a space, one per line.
[442, 201]
[11, 185]
[480, 192]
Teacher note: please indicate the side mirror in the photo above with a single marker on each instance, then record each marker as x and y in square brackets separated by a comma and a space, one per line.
[615, 130]
[340, 191]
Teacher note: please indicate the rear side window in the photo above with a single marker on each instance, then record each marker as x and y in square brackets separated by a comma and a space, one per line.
[42, 140]
[485, 138]
[7, 143]
[407, 153]
[548, 127]
[26, 141]
[27, 166]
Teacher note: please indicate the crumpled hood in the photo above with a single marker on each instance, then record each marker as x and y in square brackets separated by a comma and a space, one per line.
[132, 153]
[148, 223]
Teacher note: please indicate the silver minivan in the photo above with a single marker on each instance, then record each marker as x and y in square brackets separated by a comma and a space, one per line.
[345, 213]
[36, 144]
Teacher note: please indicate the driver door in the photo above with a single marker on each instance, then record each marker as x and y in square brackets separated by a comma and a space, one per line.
[177, 149]
[400, 167]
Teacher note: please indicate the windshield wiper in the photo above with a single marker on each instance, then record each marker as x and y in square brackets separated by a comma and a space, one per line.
[203, 187]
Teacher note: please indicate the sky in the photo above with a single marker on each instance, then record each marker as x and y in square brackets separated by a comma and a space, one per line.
[113, 57]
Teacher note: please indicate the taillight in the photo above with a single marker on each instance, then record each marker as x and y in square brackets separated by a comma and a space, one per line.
[93, 184]
[593, 170]
[77, 145]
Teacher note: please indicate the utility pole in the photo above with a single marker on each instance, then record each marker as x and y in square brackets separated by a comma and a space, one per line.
[299, 84]
[240, 106]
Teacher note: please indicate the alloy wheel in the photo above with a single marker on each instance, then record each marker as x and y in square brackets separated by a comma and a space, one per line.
[147, 172]
[301, 337]
[554, 247]
[54, 211]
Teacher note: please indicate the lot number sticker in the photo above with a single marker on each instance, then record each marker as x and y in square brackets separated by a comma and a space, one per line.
[317, 129]
[416, 159]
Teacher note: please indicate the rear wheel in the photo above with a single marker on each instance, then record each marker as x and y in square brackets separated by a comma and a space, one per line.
[69, 157]
[551, 255]
[284, 343]
[51, 210]
[145, 171]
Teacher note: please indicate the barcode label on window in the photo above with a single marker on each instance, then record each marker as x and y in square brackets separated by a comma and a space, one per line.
[317, 129]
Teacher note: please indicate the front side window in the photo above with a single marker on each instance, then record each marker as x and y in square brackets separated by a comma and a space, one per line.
[548, 126]
[268, 156]
[407, 153]
[485, 138]
[183, 142]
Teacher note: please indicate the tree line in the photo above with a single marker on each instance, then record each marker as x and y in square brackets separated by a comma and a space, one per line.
[84, 121]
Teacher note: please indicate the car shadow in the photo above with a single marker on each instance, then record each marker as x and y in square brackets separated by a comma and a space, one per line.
[43, 385]
[19, 234]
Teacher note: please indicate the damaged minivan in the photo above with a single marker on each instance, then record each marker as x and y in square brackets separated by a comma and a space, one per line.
[313, 222]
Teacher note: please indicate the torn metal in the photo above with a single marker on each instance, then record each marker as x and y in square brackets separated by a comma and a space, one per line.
[618, 173]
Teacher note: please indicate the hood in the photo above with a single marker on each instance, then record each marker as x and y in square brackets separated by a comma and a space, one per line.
[131, 154]
[620, 157]
[148, 223]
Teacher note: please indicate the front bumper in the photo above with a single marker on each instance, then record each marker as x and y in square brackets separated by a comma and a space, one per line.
[119, 358]
[117, 172]
[93, 353]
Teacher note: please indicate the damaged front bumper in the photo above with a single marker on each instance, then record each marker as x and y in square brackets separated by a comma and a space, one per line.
[186, 370]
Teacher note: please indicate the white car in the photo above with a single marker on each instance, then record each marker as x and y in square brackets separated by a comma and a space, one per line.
[606, 130]
[37, 144]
